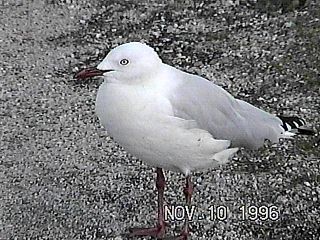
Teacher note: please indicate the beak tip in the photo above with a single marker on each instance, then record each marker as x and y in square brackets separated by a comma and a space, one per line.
[88, 73]
[80, 75]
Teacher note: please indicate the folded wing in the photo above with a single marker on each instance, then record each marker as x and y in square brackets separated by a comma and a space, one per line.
[223, 116]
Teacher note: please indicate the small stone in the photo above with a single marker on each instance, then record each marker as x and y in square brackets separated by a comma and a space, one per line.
[307, 184]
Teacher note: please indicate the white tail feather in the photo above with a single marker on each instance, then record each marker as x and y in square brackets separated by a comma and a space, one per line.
[223, 156]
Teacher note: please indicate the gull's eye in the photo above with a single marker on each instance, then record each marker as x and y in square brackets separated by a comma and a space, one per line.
[124, 61]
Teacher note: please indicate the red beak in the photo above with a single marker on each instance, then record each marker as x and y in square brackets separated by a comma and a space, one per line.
[90, 72]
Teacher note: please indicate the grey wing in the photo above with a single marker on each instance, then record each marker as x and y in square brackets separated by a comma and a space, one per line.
[225, 117]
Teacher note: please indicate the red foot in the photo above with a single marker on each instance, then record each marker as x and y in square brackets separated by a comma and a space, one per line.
[157, 231]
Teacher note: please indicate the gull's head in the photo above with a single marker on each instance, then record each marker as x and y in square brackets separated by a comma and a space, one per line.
[130, 62]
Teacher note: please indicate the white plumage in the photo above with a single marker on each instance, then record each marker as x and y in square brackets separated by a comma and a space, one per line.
[174, 120]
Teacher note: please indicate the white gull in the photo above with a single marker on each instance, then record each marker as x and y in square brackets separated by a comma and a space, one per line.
[174, 120]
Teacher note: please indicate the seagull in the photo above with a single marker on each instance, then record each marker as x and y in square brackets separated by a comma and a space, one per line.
[175, 120]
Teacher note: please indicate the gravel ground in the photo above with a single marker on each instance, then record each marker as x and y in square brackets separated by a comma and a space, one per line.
[61, 176]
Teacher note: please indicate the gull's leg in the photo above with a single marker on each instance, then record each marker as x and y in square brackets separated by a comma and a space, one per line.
[159, 230]
[188, 190]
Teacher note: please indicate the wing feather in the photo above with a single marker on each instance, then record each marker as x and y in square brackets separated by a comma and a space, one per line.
[222, 115]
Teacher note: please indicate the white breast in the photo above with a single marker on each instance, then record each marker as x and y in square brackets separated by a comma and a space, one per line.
[122, 108]
[133, 116]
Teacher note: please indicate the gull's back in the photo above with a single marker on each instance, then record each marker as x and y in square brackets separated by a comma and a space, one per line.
[218, 112]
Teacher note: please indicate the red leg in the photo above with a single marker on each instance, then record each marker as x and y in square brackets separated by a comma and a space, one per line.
[188, 190]
[159, 230]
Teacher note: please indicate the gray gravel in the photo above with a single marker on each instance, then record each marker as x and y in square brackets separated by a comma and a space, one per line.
[62, 177]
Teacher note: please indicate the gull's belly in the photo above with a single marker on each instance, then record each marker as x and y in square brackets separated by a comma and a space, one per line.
[135, 118]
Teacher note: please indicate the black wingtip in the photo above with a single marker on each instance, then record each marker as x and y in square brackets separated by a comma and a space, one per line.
[304, 131]
[294, 122]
